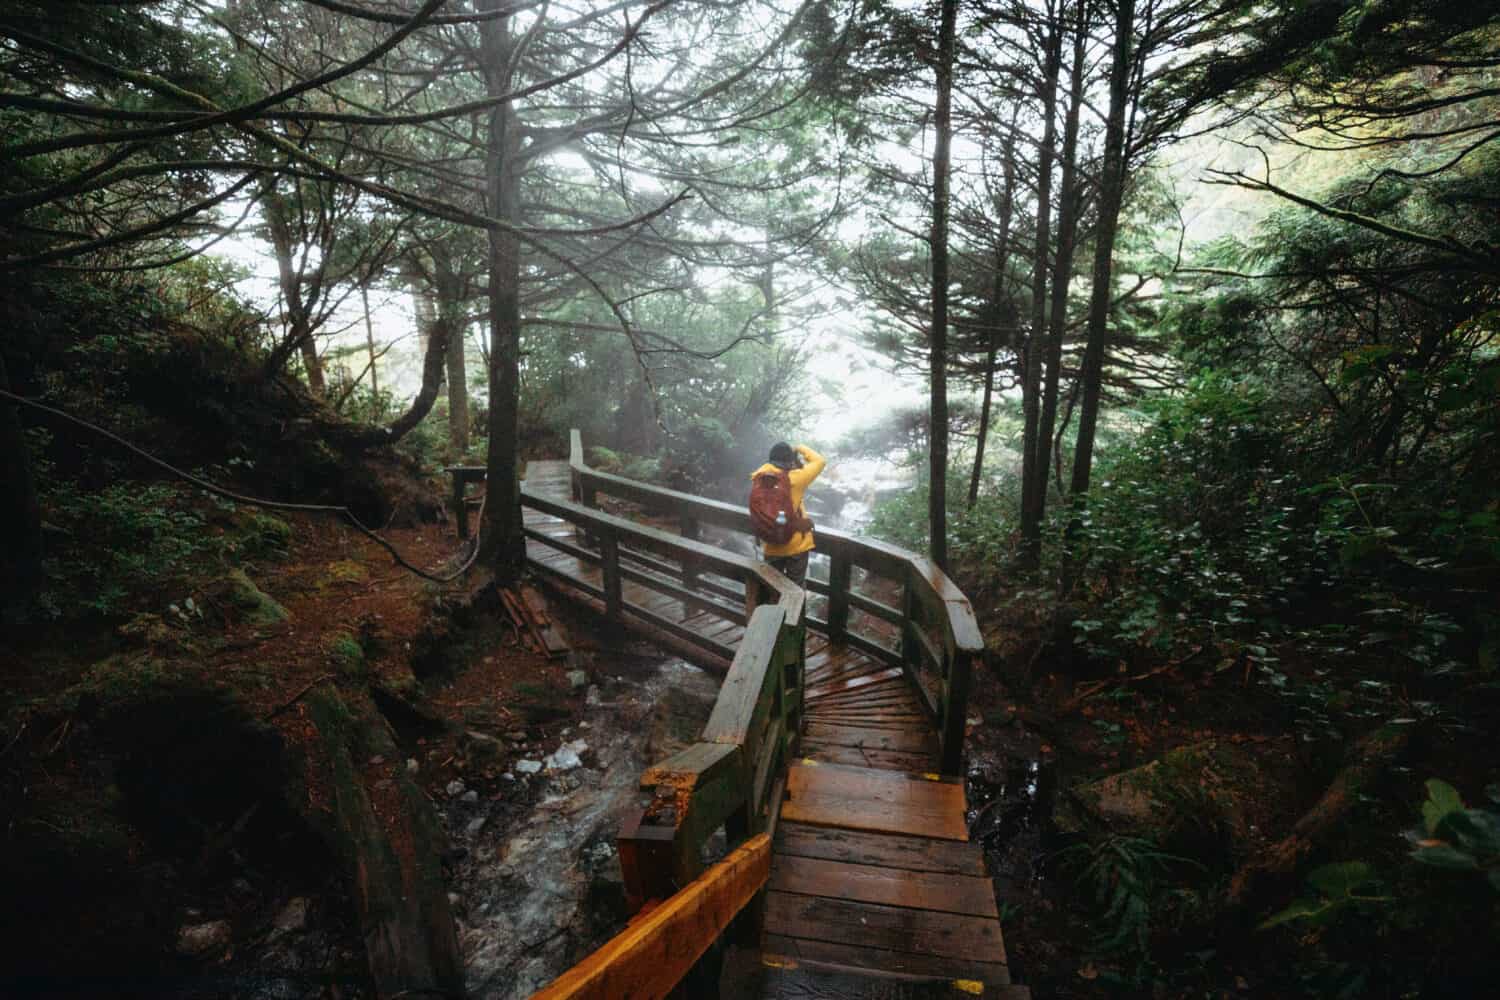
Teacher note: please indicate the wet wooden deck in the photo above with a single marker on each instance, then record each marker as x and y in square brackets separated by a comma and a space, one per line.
[875, 891]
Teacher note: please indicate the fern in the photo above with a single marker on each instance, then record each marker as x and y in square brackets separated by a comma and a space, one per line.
[1126, 878]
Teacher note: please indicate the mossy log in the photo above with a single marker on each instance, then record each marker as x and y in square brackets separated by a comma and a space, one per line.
[1367, 761]
[384, 832]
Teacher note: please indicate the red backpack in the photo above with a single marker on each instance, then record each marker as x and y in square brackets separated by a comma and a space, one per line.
[773, 516]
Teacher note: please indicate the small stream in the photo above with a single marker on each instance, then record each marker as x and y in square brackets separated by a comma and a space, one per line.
[537, 888]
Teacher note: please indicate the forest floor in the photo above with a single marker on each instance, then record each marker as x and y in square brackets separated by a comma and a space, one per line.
[109, 808]
[1119, 806]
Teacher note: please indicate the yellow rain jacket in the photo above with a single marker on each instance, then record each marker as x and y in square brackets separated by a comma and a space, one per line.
[812, 464]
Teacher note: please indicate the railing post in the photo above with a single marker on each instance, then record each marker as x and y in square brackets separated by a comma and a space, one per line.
[911, 653]
[752, 597]
[609, 550]
[689, 564]
[956, 710]
[460, 509]
[840, 571]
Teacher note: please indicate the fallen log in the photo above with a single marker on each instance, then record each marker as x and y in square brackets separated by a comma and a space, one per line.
[1271, 869]
[388, 841]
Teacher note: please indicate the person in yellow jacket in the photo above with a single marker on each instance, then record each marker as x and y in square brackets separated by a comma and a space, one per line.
[803, 466]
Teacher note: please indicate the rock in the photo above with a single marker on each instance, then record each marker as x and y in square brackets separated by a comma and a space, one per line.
[470, 797]
[454, 899]
[528, 766]
[249, 603]
[516, 736]
[578, 679]
[564, 758]
[1213, 788]
[411, 765]
[151, 632]
[480, 746]
[507, 776]
[475, 825]
[454, 788]
[204, 940]
[293, 917]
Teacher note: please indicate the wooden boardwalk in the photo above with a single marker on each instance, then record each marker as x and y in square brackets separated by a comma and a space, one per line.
[875, 890]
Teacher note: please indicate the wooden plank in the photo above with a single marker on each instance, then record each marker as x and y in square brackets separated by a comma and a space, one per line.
[882, 850]
[891, 928]
[780, 949]
[899, 725]
[888, 759]
[746, 688]
[865, 798]
[937, 891]
[876, 676]
[652, 955]
[853, 736]
[783, 978]
[894, 695]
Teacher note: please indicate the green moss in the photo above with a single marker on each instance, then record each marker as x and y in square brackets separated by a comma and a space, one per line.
[345, 652]
[345, 571]
[252, 604]
[263, 534]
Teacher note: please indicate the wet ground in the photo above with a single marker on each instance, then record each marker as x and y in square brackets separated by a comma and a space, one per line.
[536, 878]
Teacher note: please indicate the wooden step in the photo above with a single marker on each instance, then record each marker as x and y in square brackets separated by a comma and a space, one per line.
[881, 850]
[867, 798]
[961, 975]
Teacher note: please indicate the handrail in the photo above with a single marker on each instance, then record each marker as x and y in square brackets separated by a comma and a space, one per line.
[733, 777]
[929, 596]
[652, 955]
[620, 546]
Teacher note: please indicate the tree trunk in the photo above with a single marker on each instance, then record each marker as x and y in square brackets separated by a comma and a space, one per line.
[999, 314]
[21, 547]
[295, 309]
[310, 361]
[503, 546]
[1033, 450]
[451, 309]
[1111, 194]
[937, 487]
[1062, 268]
[364, 294]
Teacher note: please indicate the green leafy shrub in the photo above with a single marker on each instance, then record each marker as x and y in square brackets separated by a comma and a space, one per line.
[1457, 838]
[118, 546]
[1337, 887]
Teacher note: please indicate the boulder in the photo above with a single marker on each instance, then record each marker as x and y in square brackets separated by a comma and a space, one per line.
[205, 940]
[239, 599]
[1212, 789]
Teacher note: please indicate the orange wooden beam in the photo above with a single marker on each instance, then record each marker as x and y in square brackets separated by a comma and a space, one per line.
[650, 957]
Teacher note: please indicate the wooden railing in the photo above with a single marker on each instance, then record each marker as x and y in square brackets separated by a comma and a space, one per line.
[936, 637]
[653, 955]
[732, 778]
[665, 563]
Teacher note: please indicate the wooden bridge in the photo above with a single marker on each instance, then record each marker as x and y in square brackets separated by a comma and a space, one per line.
[831, 761]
